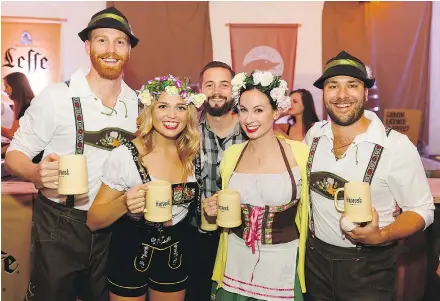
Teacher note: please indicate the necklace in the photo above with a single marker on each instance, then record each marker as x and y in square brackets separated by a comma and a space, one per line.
[260, 159]
[342, 156]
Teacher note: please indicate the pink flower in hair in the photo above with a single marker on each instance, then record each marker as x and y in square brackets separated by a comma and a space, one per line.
[184, 95]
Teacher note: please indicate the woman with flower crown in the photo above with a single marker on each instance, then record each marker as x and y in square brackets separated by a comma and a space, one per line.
[263, 259]
[149, 257]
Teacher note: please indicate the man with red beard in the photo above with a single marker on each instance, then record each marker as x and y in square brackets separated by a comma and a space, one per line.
[90, 114]
[357, 261]
[219, 129]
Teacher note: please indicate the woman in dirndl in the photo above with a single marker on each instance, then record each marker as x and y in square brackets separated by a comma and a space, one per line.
[263, 259]
[147, 258]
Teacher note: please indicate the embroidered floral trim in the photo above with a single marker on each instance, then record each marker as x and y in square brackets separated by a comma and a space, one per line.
[182, 193]
[79, 122]
[260, 286]
[268, 228]
[309, 170]
[255, 293]
[266, 217]
[113, 139]
[374, 160]
[245, 209]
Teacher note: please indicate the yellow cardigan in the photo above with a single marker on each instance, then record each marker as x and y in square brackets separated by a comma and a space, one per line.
[227, 165]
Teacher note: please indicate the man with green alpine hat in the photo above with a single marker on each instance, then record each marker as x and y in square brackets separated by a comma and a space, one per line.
[88, 115]
[347, 260]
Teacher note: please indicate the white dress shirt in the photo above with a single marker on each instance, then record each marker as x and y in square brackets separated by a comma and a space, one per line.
[49, 125]
[399, 177]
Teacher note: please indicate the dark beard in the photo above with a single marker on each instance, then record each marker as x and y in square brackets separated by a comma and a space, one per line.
[110, 73]
[219, 111]
[357, 114]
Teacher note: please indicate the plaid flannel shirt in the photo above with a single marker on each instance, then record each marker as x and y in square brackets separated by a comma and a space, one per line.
[212, 154]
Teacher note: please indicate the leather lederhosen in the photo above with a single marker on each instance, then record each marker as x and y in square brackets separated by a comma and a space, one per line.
[278, 223]
[152, 239]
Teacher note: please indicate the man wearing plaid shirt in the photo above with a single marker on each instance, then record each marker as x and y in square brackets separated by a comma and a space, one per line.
[219, 129]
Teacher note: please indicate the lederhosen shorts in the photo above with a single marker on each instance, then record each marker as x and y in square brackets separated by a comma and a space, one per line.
[358, 273]
[148, 255]
[138, 258]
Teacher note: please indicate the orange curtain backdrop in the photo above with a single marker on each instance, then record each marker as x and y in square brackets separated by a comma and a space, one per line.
[393, 39]
[400, 39]
[267, 47]
[344, 28]
[175, 38]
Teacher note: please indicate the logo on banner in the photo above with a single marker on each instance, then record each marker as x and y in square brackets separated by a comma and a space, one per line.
[265, 47]
[26, 38]
[264, 58]
[28, 59]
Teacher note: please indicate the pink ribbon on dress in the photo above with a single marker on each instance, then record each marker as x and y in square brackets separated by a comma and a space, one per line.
[253, 234]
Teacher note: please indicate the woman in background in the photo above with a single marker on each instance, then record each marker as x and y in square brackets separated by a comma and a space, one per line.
[20, 92]
[302, 116]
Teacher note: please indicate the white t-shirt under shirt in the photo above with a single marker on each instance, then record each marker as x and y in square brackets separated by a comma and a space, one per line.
[399, 177]
[120, 173]
[49, 125]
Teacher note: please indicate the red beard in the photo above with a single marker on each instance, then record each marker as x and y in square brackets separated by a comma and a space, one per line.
[105, 71]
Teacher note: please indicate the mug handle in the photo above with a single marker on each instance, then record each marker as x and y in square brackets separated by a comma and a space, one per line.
[203, 209]
[145, 209]
[336, 199]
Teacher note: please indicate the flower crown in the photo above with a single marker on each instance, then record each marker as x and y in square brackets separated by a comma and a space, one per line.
[173, 87]
[265, 82]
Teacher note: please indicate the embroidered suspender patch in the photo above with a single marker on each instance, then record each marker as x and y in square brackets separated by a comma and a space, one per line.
[374, 160]
[79, 122]
[309, 171]
[143, 173]
[368, 176]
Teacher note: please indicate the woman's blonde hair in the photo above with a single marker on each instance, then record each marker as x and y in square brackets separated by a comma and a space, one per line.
[187, 143]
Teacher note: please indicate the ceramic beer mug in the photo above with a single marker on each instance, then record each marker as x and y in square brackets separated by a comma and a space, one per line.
[229, 209]
[158, 206]
[357, 201]
[72, 175]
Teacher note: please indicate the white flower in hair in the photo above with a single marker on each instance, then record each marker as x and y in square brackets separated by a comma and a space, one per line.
[283, 84]
[197, 99]
[236, 88]
[172, 91]
[238, 81]
[145, 97]
[284, 103]
[277, 94]
[235, 95]
[263, 78]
